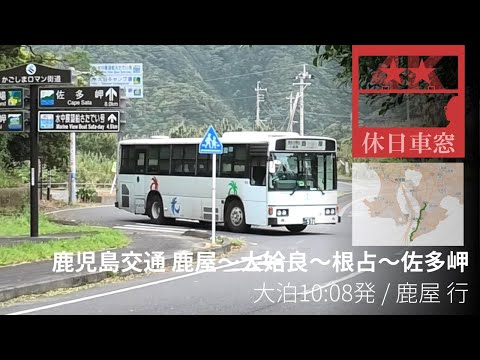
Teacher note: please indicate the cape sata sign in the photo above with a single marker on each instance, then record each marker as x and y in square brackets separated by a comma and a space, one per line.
[81, 97]
[35, 74]
[78, 121]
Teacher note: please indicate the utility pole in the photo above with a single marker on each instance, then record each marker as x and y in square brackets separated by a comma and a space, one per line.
[293, 108]
[302, 77]
[260, 98]
[72, 194]
[34, 151]
[72, 181]
[290, 113]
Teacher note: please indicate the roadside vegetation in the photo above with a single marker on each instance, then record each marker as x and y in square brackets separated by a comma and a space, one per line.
[91, 238]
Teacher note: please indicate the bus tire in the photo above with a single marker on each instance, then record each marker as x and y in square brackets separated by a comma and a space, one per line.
[235, 217]
[155, 210]
[295, 228]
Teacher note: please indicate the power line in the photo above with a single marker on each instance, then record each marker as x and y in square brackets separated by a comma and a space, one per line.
[331, 115]
[240, 75]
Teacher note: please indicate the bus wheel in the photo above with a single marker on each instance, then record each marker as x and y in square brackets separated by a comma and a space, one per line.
[155, 210]
[235, 217]
[296, 228]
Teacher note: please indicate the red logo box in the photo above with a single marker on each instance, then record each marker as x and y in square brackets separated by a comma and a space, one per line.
[419, 77]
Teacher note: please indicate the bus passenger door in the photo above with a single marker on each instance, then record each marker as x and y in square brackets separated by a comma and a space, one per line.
[139, 181]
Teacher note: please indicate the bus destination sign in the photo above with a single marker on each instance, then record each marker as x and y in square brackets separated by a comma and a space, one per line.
[305, 145]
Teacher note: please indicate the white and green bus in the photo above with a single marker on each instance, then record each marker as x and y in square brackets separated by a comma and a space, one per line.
[263, 178]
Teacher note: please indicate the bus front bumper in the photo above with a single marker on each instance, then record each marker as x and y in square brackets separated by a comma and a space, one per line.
[310, 215]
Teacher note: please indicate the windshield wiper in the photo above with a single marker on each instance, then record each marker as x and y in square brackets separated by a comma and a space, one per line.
[295, 189]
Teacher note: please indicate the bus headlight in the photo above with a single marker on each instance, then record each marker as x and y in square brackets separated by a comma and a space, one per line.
[282, 212]
[330, 211]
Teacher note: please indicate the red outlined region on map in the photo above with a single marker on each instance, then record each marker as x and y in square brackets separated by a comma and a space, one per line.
[418, 77]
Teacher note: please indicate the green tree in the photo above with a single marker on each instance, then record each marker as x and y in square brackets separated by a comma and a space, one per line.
[187, 131]
[15, 148]
[54, 150]
[104, 144]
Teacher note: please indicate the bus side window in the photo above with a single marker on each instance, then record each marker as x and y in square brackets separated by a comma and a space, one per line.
[258, 172]
[152, 159]
[128, 159]
[140, 164]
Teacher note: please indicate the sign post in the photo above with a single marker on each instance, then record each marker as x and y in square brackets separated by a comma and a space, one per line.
[34, 150]
[79, 97]
[79, 121]
[129, 76]
[211, 144]
[64, 109]
[31, 75]
[84, 97]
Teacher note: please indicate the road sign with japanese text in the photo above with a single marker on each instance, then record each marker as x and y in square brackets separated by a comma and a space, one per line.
[35, 74]
[11, 98]
[79, 121]
[79, 97]
[128, 76]
[12, 121]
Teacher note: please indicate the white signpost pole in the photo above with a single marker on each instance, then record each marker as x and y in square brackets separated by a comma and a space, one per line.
[214, 213]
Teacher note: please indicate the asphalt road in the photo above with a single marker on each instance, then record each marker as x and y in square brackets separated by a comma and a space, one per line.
[230, 289]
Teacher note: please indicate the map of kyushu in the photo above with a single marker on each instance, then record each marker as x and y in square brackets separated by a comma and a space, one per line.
[400, 204]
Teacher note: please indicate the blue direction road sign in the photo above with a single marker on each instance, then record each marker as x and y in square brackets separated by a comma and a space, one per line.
[211, 143]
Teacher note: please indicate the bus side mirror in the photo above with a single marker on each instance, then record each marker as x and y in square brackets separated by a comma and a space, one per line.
[271, 167]
[272, 164]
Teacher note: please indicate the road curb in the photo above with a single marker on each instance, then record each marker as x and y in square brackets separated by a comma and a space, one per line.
[89, 278]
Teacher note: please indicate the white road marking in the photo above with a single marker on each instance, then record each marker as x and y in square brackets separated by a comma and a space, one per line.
[158, 227]
[252, 243]
[155, 228]
[138, 228]
[80, 208]
[344, 208]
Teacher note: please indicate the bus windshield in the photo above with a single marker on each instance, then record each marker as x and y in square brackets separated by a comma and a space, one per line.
[303, 171]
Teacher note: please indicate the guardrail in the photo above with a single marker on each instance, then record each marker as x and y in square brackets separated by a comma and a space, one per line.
[64, 185]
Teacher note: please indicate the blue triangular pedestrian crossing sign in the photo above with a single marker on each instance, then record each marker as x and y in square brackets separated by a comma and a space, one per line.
[210, 143]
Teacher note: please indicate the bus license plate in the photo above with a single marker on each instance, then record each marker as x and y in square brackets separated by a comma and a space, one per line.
[309, 221]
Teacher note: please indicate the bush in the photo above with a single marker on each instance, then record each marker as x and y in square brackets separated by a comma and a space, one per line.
[9, 180]
[86, 194]
[94, 168]
[14, 200]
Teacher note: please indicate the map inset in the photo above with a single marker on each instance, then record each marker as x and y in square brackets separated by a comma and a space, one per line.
[398, 204]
